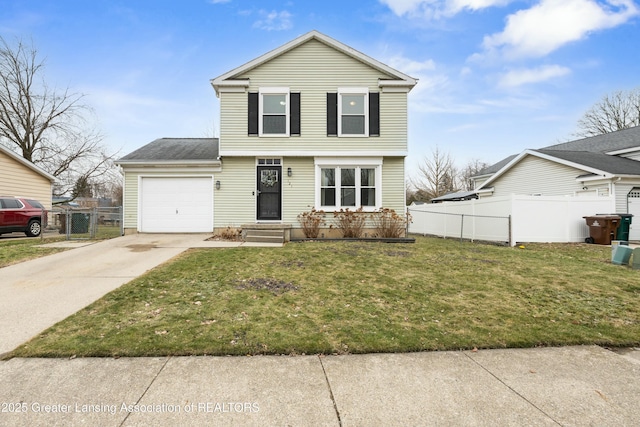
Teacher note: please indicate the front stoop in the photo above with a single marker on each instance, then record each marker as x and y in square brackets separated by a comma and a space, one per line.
[266, 233]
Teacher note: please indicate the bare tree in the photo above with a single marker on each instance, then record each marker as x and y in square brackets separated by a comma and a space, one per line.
[47, 126]
[617, 111]
[436, 176]
[473, 167]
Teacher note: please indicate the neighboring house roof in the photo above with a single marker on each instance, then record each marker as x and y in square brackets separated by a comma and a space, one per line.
[175, 150]
[27, 163]
[490, 170]
[396, 78]
[594, 155]
[621, 140]
[601, 162]
[460, 195]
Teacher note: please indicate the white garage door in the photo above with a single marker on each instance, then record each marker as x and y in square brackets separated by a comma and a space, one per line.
[176, 205]
[634, 209]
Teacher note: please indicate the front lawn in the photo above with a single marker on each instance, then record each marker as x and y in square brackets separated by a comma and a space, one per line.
[356, 297]
[17, 250]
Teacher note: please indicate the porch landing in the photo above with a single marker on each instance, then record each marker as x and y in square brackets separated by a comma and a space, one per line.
[266, 233]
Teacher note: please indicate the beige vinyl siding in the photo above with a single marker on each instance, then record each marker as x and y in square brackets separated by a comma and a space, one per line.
[533, 175]
[393, 184]
[130, 201]
[234, 203]
[132, 181]
[313, 69]
[633, 156]
[298, 191]
[17, 179]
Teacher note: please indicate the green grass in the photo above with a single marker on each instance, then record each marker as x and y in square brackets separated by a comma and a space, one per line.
[18, 250]
[356, 297]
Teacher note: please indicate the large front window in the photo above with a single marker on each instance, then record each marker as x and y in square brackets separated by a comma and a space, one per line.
[342, 187]
[274, 111]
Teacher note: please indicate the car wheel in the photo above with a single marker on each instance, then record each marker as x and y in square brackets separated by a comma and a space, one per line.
[33, 229]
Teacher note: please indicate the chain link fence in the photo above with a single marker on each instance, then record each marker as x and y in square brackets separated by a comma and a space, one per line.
[86, 223]
[489, 228]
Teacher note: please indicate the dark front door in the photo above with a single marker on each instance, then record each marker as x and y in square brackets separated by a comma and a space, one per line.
[269, 193]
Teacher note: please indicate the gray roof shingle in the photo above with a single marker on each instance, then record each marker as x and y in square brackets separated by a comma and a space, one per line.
[591, 152]
[605, 143]
[612, 164]
[175, 149]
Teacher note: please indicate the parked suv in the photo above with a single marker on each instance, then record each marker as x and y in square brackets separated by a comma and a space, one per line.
[22, 215]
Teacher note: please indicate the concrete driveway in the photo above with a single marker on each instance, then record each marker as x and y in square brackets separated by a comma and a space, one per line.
[36, 294]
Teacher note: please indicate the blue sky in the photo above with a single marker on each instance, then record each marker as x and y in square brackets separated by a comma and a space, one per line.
[495, 76]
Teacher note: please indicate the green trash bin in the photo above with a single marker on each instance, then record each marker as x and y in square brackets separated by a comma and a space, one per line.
[622, 233]
[79, 223]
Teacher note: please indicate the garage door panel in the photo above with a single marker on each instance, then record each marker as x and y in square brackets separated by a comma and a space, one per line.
[180, 204]
[634, 209]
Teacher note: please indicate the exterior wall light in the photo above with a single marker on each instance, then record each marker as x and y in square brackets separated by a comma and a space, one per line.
[217, 185]
[289, 172]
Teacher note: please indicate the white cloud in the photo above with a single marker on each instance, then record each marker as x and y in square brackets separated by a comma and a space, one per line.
[438, 8]
[551, 24]
[274, 21]
[520, 77]
[219, 1]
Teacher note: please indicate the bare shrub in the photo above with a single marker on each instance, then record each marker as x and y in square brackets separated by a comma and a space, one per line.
[350, 223]
[389, 224]
[230, 233]
[311, 222]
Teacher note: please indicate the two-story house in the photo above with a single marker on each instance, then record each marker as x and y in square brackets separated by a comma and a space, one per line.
[311, 124]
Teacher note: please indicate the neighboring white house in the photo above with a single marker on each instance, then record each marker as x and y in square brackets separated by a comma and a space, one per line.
[313, 123]
[606, 165]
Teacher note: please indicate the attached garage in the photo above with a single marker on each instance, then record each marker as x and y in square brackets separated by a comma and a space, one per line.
[175, 204]
[169, 186]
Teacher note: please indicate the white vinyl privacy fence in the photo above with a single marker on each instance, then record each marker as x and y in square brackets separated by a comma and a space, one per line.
[510, 219]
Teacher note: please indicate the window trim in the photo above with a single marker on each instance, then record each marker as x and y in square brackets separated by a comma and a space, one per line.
[274, 91]
[354, 91]
[348, 163]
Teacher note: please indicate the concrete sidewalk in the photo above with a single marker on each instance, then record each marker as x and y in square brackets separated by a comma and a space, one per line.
[36, 294]
[577, 386]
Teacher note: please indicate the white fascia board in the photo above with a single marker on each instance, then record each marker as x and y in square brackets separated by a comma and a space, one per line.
[129, 166]
[535, 153]
[625, 151]
[300, 153]
[171, 170]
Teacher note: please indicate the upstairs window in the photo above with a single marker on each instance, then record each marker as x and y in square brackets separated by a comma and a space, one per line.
[274, 112]
[353, 112]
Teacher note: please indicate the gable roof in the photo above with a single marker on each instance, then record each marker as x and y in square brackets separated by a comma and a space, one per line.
[605, 163]
[27, 163]
[594, 155]
[175, 150]
[397, 79]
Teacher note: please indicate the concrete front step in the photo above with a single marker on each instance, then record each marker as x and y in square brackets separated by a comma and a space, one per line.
[264, 236]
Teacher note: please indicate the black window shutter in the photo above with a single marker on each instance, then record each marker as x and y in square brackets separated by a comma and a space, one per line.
[253, 113]
[332, 114]
[294, 112]
[374, 114]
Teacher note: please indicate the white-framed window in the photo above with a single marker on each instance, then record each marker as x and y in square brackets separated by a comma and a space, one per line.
[353, 112]
[348, 183]
[274, 111]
